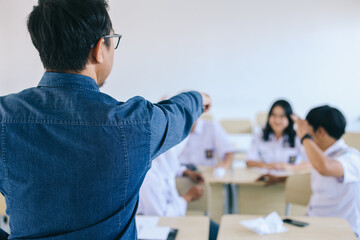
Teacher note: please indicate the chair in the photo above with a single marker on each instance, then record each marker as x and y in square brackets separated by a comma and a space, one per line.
[261, 119]
[236, 126]
[207, 116]
[197, 207]
[352, 139]
[2, 205]
[297, 190]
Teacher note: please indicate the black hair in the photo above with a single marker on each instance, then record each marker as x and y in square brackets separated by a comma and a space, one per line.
[64, 30]
[331, 119]
[289, 130]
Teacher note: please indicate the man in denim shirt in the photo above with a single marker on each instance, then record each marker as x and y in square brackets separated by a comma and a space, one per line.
[72, 158]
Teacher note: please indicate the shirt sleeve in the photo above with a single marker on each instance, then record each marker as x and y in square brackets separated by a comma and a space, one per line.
[180, 171]
[222, 143]
[350, 161]
[157, 198]
[302, 157]
[253, 153]
[171, 120]
[152, 200]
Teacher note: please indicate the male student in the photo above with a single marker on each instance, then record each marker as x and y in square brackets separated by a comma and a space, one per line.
[335, 180]
[158, 194]
[72, 158]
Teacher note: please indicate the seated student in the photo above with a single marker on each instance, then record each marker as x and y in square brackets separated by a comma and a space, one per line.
[335, 179]
[158, 193]
[206, 142]
[277, 146]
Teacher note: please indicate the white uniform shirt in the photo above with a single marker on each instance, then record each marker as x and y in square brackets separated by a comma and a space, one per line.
[275, 150]
[205, 144]
[158, 194]
[334, 197]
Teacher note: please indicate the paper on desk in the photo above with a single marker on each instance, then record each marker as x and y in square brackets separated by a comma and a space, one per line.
[158, 233]
[219, 172]
[147, 228]
[271, 224]
[145, 221]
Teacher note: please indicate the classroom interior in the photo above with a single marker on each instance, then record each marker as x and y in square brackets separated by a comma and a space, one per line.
[246, 54]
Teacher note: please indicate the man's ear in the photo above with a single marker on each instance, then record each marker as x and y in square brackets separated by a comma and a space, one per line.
[321, 131]
[97, 51]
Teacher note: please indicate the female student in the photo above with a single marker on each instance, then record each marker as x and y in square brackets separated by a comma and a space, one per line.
[277, 146]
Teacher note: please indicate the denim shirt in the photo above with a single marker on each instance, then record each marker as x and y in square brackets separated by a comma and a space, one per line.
[73, 159]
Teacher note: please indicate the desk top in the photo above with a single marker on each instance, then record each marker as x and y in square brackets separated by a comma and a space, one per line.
[241, 176]
[190, 227]
[318, 228]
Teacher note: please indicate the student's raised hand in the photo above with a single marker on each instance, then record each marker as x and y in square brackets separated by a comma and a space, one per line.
[194, 176]
[302, 126]
[207, 102]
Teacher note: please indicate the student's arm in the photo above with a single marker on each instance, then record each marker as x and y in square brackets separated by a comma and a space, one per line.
[253, 156]
[158, 200]
[322, 164]
[254, 163]
[227, 161]
[171, 120]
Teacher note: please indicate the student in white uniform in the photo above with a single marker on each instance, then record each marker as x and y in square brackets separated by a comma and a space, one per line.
[277, 146]
[206, 145]
[158, 194]
[335, 179]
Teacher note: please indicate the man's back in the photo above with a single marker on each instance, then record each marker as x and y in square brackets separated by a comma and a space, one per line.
[73, 159]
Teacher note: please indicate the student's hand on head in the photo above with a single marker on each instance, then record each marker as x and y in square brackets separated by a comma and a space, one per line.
[302, 126]
[194, 176]
[207, 102]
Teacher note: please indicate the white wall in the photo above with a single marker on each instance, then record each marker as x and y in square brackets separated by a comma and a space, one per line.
[245, 53]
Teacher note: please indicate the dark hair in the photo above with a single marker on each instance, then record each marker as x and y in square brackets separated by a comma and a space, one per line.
[331, 119]
[289, 131]
[64, 30]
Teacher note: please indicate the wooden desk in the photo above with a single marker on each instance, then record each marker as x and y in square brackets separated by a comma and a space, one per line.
[190, 227]
[249, 196]
[217, 193]
[319, 228]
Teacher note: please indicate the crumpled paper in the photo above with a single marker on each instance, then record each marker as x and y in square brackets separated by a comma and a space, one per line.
[268, 225]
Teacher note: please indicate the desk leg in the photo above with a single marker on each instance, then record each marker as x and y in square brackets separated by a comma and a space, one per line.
[217, 201]
[234, 188]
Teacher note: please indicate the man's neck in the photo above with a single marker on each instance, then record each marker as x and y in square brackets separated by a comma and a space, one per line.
[328, 142]
[86, 72]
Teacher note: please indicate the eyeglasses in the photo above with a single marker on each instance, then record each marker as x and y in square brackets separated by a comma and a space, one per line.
[116, 40]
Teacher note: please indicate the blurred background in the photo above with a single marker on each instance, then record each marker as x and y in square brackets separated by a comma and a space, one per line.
[244, 53]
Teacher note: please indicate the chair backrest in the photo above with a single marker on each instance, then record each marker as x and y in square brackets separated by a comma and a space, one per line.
[207, 116]
[183, 184]
[298, 189]
[352, 139]
[2, 205]
[236, 126]
[261, 119]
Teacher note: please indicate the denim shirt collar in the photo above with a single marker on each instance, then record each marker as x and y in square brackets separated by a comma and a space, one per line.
[68, 80]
